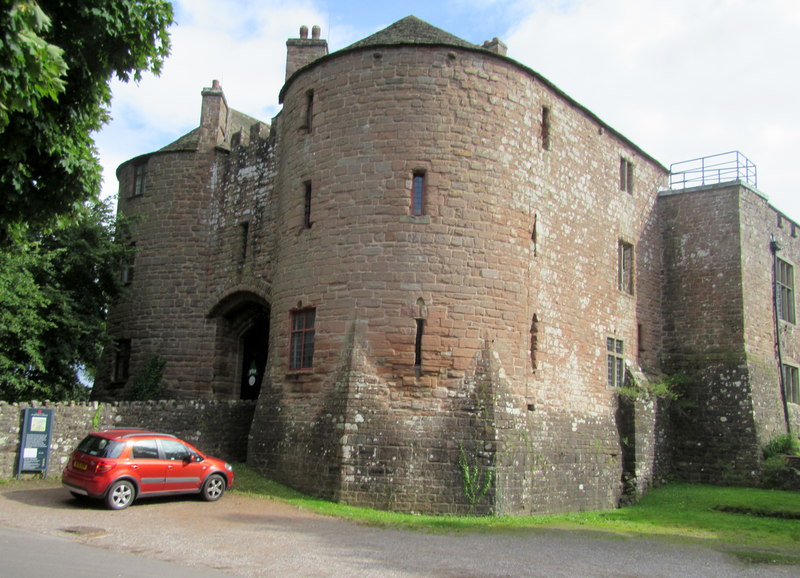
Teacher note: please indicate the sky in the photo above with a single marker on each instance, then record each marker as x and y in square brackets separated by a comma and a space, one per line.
[681, 79]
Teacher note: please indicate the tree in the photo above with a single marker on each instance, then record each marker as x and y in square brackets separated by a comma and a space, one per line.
[56, 60]
[55, 289]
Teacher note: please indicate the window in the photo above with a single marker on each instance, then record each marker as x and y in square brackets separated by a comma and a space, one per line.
[174, 450]
[784, 290]
[127, 266]
[122, 359]
[545, 128]
[616, 363]
[139, 179]
[625, 175]
[418, 194]
[309, 110]
[301, 354]
[625, 268]
[307, 206]
[791, 383]
[244, 236]
[418, 346]
[534, 340]
[145, 449]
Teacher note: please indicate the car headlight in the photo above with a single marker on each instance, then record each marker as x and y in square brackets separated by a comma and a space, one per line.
[228, 467]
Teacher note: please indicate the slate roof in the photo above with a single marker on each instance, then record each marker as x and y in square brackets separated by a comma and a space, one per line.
[189, 141]
[411, 30]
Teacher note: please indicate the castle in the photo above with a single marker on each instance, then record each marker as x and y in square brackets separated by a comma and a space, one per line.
[437, 274]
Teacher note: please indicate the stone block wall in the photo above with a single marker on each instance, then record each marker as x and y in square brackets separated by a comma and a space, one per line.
[514, 229]
[218, 428]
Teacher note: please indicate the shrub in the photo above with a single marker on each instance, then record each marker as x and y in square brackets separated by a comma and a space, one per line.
[148, 385]
[785, 444]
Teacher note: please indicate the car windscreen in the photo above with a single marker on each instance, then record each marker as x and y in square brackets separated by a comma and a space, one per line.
[101, 447]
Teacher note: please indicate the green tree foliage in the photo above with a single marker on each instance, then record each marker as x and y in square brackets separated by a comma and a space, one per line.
[149, 385]
[56, 60]
[55, 288]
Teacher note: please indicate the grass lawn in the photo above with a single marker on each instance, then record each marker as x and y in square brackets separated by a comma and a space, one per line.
[759, 526]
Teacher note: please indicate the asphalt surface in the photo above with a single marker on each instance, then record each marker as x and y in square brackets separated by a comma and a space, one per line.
[246, 536]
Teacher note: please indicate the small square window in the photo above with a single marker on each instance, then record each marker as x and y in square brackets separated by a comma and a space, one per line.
[139, 179]
[791, 383]
[625, 276]
[301, 348]
[625, 175]
[784, 290]
[127, 266]
[616, 362]
[122, 359]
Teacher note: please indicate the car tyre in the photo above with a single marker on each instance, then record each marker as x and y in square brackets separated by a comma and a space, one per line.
[120, 495]
[213, 488]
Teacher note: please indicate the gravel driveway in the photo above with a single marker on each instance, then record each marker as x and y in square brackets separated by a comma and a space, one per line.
[248, 536]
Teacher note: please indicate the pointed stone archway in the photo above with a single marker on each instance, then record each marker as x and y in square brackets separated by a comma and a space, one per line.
[241, 346]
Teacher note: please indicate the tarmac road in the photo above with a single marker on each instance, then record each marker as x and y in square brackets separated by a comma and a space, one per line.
[246, 536]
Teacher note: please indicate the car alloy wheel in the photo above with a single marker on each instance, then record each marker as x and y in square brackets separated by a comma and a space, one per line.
[213, 488]
[120, 495]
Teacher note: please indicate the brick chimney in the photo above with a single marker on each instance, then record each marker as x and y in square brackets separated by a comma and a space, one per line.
[303, 50]
[213, 117]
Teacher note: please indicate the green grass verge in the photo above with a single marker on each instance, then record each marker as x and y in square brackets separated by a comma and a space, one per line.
[678, 512]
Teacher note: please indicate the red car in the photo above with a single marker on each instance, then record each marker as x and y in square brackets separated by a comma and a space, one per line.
[120, 466]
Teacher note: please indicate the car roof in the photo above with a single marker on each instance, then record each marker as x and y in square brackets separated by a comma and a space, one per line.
[127, 433]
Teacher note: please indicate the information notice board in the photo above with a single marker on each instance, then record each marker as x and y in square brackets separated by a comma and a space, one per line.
[37, 430]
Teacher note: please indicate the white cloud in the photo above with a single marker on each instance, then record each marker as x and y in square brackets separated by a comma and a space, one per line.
[242, 45]
[682, 79]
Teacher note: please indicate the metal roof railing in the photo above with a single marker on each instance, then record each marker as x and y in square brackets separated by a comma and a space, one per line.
[712, 170]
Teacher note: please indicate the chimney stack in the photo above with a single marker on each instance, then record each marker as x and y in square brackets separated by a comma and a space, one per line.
[304, 50]
[213, 117]
[496, 45]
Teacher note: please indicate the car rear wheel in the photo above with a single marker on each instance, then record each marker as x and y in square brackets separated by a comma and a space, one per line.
[213, 488]
[120, 495]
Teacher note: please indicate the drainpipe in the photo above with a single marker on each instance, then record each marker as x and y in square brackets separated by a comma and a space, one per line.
[774, 247]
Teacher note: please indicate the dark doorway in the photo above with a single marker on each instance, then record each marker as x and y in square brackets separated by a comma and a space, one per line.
[254, 342]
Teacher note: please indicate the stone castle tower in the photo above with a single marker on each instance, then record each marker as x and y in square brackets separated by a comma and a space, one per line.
[434, 259]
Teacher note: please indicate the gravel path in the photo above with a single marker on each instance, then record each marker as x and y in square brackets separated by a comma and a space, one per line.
[247, 536]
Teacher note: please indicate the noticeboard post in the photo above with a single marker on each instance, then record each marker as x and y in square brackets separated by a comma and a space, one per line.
[37, 430]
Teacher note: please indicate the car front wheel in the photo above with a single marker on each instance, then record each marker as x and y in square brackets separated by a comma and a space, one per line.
[213, 488]
[120, 495]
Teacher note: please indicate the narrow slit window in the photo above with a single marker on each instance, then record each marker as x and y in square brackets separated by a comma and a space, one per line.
[244, 237]
[307, 205]
[533, 234]
[418, 194]
[545, 128]
[309, 110]
[418, 345]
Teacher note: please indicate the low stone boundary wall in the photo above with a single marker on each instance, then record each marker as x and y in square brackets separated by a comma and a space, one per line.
[218, 428]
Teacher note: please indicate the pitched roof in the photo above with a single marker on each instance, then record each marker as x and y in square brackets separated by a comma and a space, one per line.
[411, 30]
[190, 141]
